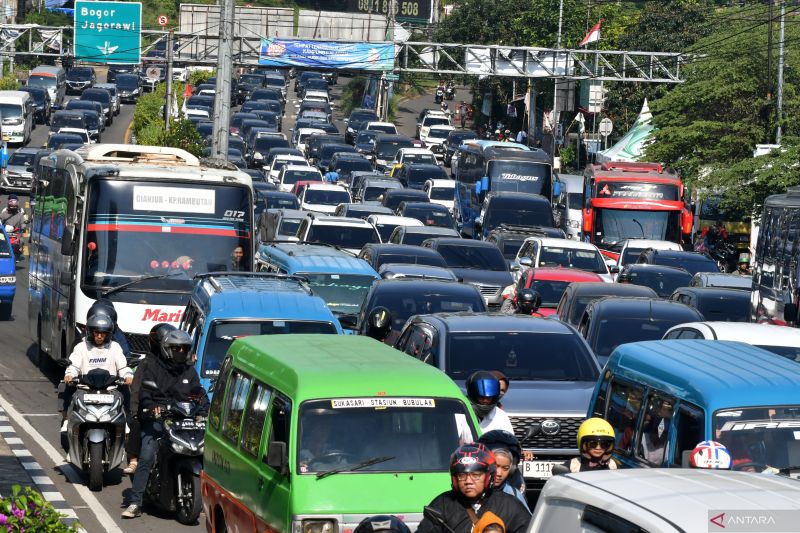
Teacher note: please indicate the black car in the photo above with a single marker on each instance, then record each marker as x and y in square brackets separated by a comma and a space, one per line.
[404, 298]
[360, 210]
[364, 141]
[392, 198]
[345, 163]
[373, 188]
[359, 118]
[60, 140]
[41, 103]
[80, 78]
[477, 262]
[512, 209]
[103, 97]
[65, 118]
[716, 304]
[279, 224]
[379, 254]
[262, 146]
[692, 262]
[114, 71]
[326, 151]
[662, 279]
[608, 322]
[578, 295]
[314, 144]
[386, 147]
[129, 87]
[428, 213]
[415, 175]
[280, 200]
[453, 141]
[206, 129]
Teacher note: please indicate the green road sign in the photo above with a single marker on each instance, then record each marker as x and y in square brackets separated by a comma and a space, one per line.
[108, 32]
[392, 77]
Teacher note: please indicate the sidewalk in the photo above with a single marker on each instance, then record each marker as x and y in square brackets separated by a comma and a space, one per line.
[18, 467]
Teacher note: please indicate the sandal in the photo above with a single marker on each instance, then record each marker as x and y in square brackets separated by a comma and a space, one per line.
[131, 468]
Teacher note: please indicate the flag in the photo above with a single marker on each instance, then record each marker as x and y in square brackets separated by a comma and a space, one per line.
[593, 35]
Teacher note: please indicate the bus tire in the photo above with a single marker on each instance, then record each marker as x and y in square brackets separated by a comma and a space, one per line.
[42, 357]
[219, 521]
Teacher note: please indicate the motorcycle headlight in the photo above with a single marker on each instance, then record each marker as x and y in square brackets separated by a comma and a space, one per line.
[182, 449]
[318, 526]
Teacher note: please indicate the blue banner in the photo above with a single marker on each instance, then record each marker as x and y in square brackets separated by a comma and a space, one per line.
[326, 54]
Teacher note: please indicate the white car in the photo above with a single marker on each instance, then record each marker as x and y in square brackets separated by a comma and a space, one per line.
[549, 252]
[84, 134]
[442, 192]
[633, 247]
[411, 155]
[317, 96]
[350, 234]
[291, 174]
[383, 127]
[323, 198]
[385, 224]
[281, 161]
[202, 113]
[432, 118]
[437, 135]
[777, 339]
[301, 136]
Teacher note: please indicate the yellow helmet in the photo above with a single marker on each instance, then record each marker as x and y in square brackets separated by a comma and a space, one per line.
[597, 428]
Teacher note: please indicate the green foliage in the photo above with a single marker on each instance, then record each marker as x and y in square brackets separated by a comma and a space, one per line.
[148, 122]
[200, 76]
[182, 134]
[27, 510]
[567, 155]
[353, 94]
[9, 82]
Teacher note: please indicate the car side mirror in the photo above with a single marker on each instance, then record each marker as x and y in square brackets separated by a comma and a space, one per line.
[348, 321]
[514, 268]
[614, 269]
[790, 313]
[560, 470]
[277, 457]
[525, 261]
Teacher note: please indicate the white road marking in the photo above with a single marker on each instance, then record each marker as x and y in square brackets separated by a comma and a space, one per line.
[38, 414]
[13, 440]
[72, 475]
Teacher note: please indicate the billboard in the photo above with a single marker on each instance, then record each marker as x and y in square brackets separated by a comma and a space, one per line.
[326, 54]
[108, 32]
[414, 11]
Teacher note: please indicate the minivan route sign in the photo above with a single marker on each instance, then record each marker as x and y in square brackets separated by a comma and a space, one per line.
[108, 32]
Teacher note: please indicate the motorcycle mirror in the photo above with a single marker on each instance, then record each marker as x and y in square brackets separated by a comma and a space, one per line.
[150, 385]
[559, 470]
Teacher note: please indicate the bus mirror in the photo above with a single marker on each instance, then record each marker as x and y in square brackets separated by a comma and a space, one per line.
[556, 189]
[790, 313]
[277, 457]
[67, 241]
[485, 184]
[477, 187]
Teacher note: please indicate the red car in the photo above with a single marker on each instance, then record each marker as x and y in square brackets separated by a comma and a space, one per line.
[551, 283]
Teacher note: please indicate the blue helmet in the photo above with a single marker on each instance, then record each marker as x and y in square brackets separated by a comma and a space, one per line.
[482, 386]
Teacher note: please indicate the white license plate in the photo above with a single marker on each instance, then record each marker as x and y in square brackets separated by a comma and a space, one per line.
[538, 469]
[98, 398]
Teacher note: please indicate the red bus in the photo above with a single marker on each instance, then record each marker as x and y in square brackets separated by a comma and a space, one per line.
[634, 201]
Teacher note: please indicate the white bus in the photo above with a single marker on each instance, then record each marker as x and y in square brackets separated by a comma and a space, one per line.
[133, 224]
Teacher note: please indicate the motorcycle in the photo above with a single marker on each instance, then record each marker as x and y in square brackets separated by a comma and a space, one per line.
[726, 256]
[450, 91]
[174, 481]
[439, 94]
[95, 436]
[15, 240]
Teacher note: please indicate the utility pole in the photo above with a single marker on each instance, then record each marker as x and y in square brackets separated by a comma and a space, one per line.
[769, 50]
[168, 106]
[555, 81]
[781, 33]
[222, 104]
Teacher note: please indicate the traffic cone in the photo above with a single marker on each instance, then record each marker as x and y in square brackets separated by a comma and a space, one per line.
[187, 93]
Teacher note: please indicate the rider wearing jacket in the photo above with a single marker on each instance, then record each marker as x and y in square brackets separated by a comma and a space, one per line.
[472, 471]
[13, 215]
[595, 443]
[176, 380]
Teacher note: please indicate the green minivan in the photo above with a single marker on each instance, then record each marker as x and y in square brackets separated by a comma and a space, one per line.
[313, 433]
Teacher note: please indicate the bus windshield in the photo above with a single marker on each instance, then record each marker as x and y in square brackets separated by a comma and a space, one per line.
[520, 176]
[174, 230]
[614, 225]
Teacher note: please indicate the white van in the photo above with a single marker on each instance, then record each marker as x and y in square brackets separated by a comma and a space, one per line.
[569, 209]
[16, 116]
[52, 78]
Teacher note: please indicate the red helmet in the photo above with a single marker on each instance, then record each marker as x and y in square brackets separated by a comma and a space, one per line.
[473, 457]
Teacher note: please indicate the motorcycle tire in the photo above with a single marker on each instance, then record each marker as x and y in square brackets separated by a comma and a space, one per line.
[95, 466]
[188, 509]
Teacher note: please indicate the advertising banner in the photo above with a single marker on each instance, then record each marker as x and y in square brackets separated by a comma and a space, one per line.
[326, 54]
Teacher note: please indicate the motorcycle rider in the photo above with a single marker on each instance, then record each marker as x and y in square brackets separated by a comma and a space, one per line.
[483, 391]
[176, 380]
[595, 443]
[104, 305]
[525, 302]
[13, 215]
[507, 453]
[97, 351]
[388, 523]
[472, 496]
[743, 266]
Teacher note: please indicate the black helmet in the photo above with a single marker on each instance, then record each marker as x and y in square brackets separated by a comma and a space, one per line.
[483, 384]
[99, 322]
[175, 346]
[383, 522]
[379, 322]
[104, 304]
[528, 301]
[157, 334]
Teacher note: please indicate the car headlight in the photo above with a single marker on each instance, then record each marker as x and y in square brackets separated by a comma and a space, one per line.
[8, 280]
[573, 224]
[350, 130]
[318, 526]
[258, 155]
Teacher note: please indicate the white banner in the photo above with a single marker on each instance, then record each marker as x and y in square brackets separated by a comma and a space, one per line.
[350, 403]
[173, 200]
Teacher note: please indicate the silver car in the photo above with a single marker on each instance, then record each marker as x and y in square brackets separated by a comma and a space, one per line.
[18, 174]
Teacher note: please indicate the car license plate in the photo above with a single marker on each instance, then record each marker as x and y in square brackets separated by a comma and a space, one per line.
[98, 398]
[538, 469]
[6, 137]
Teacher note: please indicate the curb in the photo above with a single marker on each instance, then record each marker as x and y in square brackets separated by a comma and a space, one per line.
[36, 474]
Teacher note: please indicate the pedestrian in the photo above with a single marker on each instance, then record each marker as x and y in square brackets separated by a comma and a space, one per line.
[463, 110]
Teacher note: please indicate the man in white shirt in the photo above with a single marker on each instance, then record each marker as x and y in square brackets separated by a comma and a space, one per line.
[483, 391]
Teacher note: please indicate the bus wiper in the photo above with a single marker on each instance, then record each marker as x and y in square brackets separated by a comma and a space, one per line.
[359, 466]
[134, 281]
[641, 228]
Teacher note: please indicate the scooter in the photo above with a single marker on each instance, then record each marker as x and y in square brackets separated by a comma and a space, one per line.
[95, 437]
[726, 256]
[439, 94]
[450, 91]
[15, 240]
[174, 481]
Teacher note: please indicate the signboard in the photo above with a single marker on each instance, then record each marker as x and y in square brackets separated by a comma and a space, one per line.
[163, 20]
[416, 11]
[108, 32]
[326, 54]
[606, 127]
[641, 191]
[173, 199]
[510, 62]
[392, 77]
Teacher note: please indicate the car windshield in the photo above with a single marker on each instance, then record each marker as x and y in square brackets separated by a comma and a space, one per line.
[351, 165]
[472, 257]
[78, 73]
[251, 79]
[289, 226]
[417, 299]
[10, 111]
[662, 282]
[511, 247]
[789, 352]
[357, 120]
[435, 121]
[21, 159]
[326, 197]
[520, 176]
[385, 230]
[290, 177]
[38, 96]
[726, 309]
[387, 149]
[550, 291]
[574, 200]
[127, 82]
[631, 255]
[411, 434]
[691, 263]
[410, 159]
[344, 293]
[415, 238]
[343, 236]
[443, 193]
[365, 137]
[614, 225]
[5, 247]
[409, 259]
[615, 331]
[517, 215]
[521, 356]
[440, 218]
[556, 256]
[222, 334]
[42, 81]
[383, 128]
[760, 437]
[372, 194]
[275, 201]
[438, 134]
[416, 178]
[151, 228]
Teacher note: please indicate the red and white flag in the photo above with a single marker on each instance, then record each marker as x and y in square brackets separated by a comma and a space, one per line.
[593, 35]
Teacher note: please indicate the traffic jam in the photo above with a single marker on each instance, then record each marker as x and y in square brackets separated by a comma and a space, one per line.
[361, 330]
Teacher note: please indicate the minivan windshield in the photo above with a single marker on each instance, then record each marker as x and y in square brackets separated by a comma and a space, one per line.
[21, 159]
[387, 149]
[520, 356]
[67, 120]
[411, 434]
[344, 293]
[474, 257]
[557, 256]
[760, 438]
[343, 236]
[45, 82]
[222, 334]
